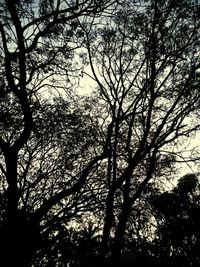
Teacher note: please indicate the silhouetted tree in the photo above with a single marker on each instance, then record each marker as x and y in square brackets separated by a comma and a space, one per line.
[145, 60]
[38, 42]
[63, 156]
[177, 232]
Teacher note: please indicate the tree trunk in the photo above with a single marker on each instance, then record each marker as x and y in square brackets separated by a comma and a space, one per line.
[119, 234]
[107, 227]
[17, 245]
[10, 241]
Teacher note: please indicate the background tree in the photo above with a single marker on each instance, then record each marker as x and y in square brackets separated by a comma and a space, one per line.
[177, 233]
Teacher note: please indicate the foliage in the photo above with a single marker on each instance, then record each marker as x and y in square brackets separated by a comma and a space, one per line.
[177, 218]
[83, 179]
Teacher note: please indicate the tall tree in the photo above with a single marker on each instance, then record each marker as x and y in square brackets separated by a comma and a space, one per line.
[145, 60]
[38, 42]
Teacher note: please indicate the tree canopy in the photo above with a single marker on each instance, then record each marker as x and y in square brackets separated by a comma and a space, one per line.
[84, 178]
